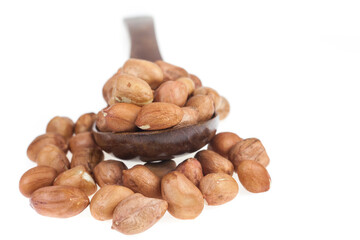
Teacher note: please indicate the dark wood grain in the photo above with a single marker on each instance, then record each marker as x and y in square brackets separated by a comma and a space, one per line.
[157, 145]
[143, 38]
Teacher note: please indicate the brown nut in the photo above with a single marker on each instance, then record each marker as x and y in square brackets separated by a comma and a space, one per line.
[211, 162]
[63, 126]
[130, 89]
[141, 180]
[223, 108]
[171, 72]
[106, 199]
[162, 168]
[253, 176]
[205, 106]
[196, 80]
[218, 188]
[137, 213]
[172, 92]
[189, 83]
[221, 143]
[190, 117]
[77, 177]
[41, 141]
[81, 140]
[85, 123]
[109, 86]
[146, 70]
[59, 201]
[109, 172]
[184, 198]
[192, 169]
[119, 117]
[159, 115]
[209, 92]
[54, 157]
[35, 178]
[248, 149]
[87, 157]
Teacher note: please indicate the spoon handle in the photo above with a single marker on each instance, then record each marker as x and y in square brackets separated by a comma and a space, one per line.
[143, 38]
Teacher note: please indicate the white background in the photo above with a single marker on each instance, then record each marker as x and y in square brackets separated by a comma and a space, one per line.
[290, 69]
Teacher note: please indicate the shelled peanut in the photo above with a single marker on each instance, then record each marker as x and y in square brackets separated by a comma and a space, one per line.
[141, 96]
[144, 95]
[144, 193]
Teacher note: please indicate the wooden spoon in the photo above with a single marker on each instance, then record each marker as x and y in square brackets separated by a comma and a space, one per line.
[153, 145]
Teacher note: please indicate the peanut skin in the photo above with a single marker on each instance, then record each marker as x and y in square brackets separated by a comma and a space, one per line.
[174, 92]
[146, 70]
[77, 177]
[211, 162]
[171, 72]
[223, 108]
[85, 123]
[109, 172]
[192, 169]
[184, 198]
[140, 179]
[45, 139]
[196, 80]
[109, 86]
[137, 213]
[222, 142]
[253, 176]
[204, 105]
[52, 156]
[190, 117]
[218, 188]
[59, 201]
[87, 157]
[61, 125]
[119, 117]
[35, 178]
[130, 89]
[81, 140]
[249, 149]
[158, 115]
[190, 85]
[106, 199]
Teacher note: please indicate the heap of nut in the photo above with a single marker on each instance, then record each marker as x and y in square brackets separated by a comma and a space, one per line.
[142, 95]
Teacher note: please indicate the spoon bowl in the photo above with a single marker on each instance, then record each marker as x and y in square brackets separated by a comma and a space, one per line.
[157, 145]
[161, 144]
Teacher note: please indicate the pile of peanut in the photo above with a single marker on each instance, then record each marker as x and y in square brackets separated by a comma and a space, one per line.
[142, 96]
